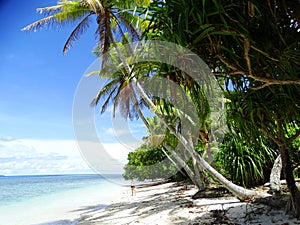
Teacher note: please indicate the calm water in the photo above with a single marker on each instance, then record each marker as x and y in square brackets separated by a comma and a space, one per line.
[53, 199]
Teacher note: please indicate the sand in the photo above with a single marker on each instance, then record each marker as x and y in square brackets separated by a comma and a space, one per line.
[171, 203]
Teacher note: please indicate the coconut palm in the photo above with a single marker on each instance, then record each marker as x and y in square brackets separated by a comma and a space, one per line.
[112, 17]
[115, 22]
[120, 92]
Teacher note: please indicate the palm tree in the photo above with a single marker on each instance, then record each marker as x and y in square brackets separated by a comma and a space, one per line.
[112, 17]
[120, 92]
[115, 22]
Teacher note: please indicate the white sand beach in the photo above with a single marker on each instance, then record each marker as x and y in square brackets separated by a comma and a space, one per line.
[171, 203]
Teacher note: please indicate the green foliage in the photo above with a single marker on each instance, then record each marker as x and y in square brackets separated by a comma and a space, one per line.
[246, 163]
[250, 44]
[257, 39]
[265, 109]
[147, 162]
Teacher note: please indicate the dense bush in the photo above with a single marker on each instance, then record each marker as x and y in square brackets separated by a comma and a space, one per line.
[149, 162]
[246, 163]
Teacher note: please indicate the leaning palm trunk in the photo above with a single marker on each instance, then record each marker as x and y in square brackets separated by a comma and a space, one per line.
[180, 163]
[196, 169]
[192, 175]
[238, 191]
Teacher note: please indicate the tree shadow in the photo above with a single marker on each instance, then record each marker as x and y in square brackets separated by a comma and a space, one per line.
[141, 208]
[176, 206]
[90, 209]
[234, 212]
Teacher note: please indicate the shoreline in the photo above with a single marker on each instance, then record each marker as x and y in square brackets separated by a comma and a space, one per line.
[172, 203]
[54, 200]
[79, 213]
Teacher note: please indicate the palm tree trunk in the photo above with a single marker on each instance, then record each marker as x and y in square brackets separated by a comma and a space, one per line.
[194, 178]
[182, 164]
[209, 156]
[196, 169]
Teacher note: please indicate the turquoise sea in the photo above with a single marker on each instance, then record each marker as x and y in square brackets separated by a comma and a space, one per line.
[54, 199]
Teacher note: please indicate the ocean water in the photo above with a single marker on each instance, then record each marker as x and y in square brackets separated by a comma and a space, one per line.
[55, 199]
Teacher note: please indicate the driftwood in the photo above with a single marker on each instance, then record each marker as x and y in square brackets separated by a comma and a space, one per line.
[281, 182]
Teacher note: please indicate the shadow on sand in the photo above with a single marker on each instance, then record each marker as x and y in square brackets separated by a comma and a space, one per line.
[172, 205]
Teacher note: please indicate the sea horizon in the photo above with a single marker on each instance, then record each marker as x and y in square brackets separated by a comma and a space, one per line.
[56, 174]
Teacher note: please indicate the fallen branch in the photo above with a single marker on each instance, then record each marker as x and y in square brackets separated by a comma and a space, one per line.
[281, 182]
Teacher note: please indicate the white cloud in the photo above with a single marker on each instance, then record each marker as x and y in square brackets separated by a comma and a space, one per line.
[26, 156]
[29, 156]
[6, 138]
[117, 151]
[105, 157]
[117, 132]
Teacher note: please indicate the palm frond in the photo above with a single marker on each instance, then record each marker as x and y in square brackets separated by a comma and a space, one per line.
[80, 29]
[95, 6]
[127, 19]
[62, 6]
[108, 99]
[124, 37]
[67, 12]
[122, 99]
[39, 24]
[49, 9]
[108, 89]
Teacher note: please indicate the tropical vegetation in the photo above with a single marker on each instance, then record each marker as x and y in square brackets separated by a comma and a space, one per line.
[150, 163]
[251, 48]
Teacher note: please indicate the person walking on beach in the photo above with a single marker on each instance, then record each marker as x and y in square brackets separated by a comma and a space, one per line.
[132, 187]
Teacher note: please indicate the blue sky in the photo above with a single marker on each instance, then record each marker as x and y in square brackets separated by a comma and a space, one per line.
[37, 88]
[37, 81]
